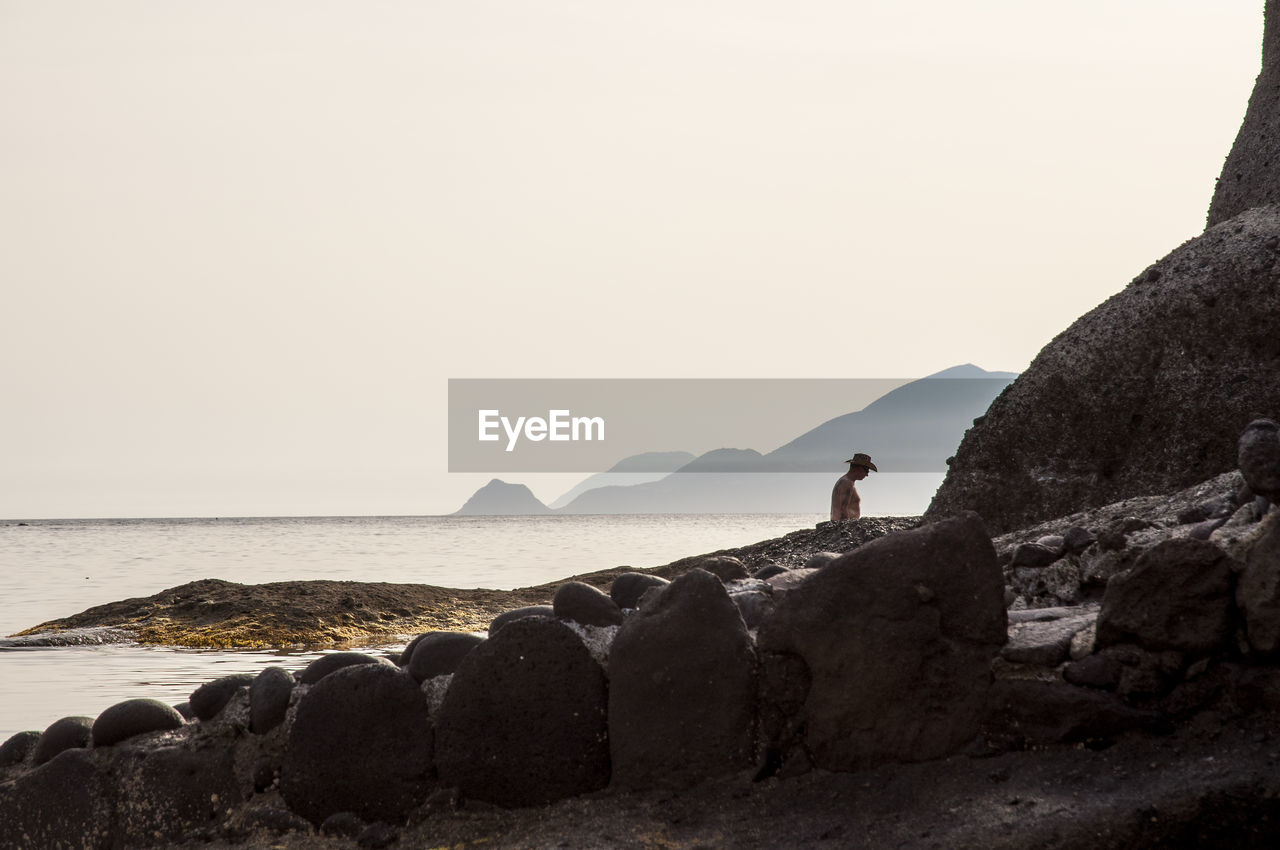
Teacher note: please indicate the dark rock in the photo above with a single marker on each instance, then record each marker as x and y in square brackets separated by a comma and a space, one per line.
[898, 636]
[440, 653]
[585, 605]
[1254, 688]
[1147, 393]
[1259, 458]
[784, 583]
[133, 717]
[1258, 593]
[407, 652]
[184, 708]
[326, 664]
[361, 741]
[1112, 540]
[65, 734]
[769, 571]
[784, 684]
[166, 790]
[627, 588]
[1178, 596]
[343, 825]
[1248, 177]
[211, 697]
[1034, 555]
[818, 560]
[16, 749]
[1204, 530]
[724, 567]
[753, 605]
[1076, 539]
[269, 819]
[523, 722]
[66, 802]
[518, 614]
[1025, 712]
[265, 774]
[377, 835]
[1094, 671]
[681, 688]
[269, 699]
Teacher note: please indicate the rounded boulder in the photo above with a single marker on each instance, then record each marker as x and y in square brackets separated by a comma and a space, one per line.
[69, 733]
[134, 717]
[211, 697]
[440, 653]
[585, 605]
[269, 696]
[361, 741]
[326, 664]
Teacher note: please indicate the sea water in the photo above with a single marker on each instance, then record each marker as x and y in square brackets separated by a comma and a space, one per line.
[56, 568]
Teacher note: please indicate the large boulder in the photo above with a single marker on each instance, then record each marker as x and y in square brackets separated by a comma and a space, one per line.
[1249, 177]
[1178, 596]
[1258, 592]
[360, 742]
[898, 636]
[523, 722]
[66, 802]
[681, 687]
[1147, 393]
[166, 790]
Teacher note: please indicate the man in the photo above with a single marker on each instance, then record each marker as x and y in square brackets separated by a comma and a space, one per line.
[845, 502]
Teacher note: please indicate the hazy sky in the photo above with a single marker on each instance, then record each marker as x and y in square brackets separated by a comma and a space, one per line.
[246, 244]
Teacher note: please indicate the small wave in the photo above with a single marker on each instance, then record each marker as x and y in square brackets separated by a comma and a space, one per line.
[70, 637]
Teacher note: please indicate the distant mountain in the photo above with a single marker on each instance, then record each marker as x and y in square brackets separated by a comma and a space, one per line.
[914, 428]
[498, 498]
[637, 469]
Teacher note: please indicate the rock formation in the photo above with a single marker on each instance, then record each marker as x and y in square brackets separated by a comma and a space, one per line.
[1147, 393]
[1251, 175]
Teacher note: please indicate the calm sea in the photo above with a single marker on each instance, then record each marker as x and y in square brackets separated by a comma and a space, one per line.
[55, 568]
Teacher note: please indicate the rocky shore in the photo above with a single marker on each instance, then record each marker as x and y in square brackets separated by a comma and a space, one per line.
[873, 682]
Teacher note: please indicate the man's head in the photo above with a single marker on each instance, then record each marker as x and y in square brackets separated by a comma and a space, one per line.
[860, 465]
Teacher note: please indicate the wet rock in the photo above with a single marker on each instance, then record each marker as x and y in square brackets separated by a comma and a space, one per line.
[524, 720]
[184, 708]
[584, 604]
[898, 674]
[519, 613]
[1178, 596]
[167, 790]
[681, 688]
[1258, 593]
[440, 653]
[17, 747]
[133, 717]
[326, 664]
[210, 698]
[65, 734]
[769, 571]
[361, 741]
[627, 588]
[66, 802]
[269, 695]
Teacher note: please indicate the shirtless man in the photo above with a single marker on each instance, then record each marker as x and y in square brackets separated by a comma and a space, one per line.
[845, 502]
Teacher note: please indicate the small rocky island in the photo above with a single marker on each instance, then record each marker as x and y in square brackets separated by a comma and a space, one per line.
[1078, 646]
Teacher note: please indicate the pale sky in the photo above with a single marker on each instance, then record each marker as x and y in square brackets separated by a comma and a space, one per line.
[246, 244]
